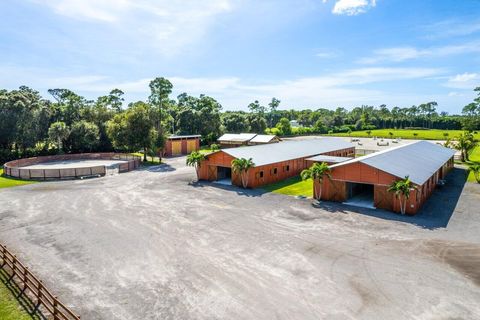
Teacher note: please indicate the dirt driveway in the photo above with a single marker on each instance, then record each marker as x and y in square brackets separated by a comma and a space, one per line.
[150, 244]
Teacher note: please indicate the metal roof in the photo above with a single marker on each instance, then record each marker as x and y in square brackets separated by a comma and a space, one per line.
[237, 137]
[418, 160]
[184, 136]
[264, 154]
[329, 159]
[263, 138]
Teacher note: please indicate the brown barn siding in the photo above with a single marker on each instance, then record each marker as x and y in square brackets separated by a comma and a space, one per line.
[362, 173]
[184, 142]
[295, 166]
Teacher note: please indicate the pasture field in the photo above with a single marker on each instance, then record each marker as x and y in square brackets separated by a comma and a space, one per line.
[432, 134]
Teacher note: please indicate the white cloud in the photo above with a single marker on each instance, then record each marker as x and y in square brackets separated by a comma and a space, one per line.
[464, 81]
[348, 88]
[352, 7]
[399, 54]
[170, 24]
[451, 28]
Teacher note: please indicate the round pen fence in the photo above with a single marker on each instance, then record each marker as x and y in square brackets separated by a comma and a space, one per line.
[17, 168]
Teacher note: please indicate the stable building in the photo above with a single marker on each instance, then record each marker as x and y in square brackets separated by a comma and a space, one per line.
[180, 145]
[273, 162]
[263, 139]
[364, 181]
[229, 140]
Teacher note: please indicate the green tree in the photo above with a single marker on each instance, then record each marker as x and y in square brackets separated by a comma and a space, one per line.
[316, 172]
[241, 166]
[160, 89]
[235, 122]
[58, 132]
[256, 123]
[272, 108]
[401, 189]
[475, 169]
[284, 127]
[133, 129]
[84, 136]
[195, 160]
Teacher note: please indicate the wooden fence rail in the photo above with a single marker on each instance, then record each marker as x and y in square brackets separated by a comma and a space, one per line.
[29, 285]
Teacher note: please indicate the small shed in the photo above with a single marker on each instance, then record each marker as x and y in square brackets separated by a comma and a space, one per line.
[179, 145]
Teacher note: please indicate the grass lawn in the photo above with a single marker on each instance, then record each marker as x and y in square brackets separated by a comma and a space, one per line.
[292, 186]
[9, 306]
[432, 134]
[6, 182]
[474, 157]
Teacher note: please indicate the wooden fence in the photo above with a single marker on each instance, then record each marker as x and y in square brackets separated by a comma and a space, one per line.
[33, 288]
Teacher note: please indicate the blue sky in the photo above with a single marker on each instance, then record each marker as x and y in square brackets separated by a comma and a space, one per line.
[307, 53]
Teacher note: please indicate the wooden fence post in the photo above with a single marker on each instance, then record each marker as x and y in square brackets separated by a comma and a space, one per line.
[55, 308]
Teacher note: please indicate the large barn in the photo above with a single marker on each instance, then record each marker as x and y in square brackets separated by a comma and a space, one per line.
[364, 181]
[273, 162]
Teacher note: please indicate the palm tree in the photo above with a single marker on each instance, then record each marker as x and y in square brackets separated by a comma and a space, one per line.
[316, 172]
[401, 189]
[465, 143]
[475, 168]
[242, 165]
[58, 132]
[195, 160]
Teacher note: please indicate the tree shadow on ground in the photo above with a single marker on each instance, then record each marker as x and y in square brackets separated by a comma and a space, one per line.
[434, 214]
[23, 300]
[239, 191]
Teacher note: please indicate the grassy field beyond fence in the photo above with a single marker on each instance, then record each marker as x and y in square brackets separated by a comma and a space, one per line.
[432, 134]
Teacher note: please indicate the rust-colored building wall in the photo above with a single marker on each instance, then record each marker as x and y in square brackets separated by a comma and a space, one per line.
[168, 145]
[336, 188]
[261, 175]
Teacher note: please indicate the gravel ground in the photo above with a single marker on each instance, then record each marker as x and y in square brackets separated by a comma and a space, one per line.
[152, 244]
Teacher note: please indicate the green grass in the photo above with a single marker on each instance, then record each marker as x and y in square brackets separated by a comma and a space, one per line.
[10, 309]
[6, 182]
[432, 134]
[151, 161]
[474, 158]
[292, 186]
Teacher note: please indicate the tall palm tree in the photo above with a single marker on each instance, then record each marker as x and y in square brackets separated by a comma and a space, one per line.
[316, 172]
[242, 165]
[195, 160]
[475, 168]
[465, 143]
[401, 188]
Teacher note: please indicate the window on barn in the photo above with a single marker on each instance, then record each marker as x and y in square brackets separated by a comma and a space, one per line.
[259, 175]
[287, 168]
[274, 171]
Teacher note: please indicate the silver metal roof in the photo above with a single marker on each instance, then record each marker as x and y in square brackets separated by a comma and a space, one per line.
[237, 137]
[329, 159]
[264, 154]
[263, 138]
[184, 136]
[418, 160]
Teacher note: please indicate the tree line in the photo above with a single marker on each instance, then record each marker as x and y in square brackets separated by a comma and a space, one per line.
[31, 125]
